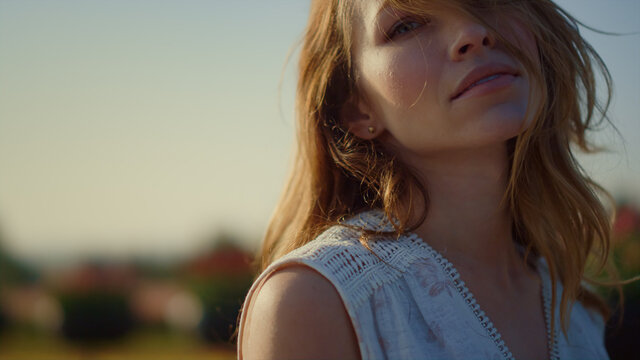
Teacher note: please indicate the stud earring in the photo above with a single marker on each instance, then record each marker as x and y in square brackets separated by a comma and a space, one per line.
[371, 129]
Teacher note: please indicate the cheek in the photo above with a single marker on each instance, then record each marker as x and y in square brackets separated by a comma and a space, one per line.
[534, 104]
[518, 34]
[396, 80]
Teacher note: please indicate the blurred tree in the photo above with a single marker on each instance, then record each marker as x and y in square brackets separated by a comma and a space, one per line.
[13, 271]
[221, 278]
[152, 269]
[3, 321]
[222, 299]
[623, 328]
[2, 316]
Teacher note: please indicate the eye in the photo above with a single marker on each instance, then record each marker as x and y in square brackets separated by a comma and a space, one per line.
[404, 26]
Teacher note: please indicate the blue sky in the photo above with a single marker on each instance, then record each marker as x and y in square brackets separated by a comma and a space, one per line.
[145, 126]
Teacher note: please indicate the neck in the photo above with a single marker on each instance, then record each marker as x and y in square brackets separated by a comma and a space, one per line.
[466, 219]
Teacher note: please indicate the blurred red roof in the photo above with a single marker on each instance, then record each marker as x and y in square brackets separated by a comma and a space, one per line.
[222, 261]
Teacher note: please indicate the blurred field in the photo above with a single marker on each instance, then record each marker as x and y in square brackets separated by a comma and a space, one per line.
[188, 309]
[185, 309]
[23, 344]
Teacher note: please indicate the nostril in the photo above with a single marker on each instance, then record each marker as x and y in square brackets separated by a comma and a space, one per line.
[485, 41]
[464, 49]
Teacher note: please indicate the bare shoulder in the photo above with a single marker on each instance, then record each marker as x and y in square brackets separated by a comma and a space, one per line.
[297, 313]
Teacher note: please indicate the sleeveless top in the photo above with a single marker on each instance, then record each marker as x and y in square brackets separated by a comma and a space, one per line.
[407, 301]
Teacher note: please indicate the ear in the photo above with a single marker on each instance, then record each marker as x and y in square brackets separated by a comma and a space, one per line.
[359, 120]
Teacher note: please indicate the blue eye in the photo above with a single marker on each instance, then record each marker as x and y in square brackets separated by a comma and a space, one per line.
[404, 26]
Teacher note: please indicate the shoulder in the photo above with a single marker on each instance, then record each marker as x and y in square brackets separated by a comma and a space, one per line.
[297, 313]
[316, 300]
[357, 268]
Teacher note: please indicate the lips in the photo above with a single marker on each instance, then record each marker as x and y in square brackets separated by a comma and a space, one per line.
[482, 74]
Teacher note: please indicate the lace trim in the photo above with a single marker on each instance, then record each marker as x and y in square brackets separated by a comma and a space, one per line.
[552, 339]
[468, 298]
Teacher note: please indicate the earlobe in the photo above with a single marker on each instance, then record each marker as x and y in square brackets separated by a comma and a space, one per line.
[359, 121]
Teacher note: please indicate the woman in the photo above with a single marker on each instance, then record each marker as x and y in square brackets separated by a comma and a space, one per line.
[435, 209]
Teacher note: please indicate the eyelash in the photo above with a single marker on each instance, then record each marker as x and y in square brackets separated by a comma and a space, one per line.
[406, 22]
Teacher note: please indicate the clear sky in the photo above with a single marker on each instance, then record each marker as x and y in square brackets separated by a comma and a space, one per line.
[142, 127]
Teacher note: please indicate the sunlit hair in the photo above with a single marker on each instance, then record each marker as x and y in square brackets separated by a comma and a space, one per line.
[556, 211]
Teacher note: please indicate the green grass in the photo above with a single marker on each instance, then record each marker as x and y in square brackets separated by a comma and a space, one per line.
[27, 344]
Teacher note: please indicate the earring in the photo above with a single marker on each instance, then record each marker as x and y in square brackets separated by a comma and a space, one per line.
[371, 129]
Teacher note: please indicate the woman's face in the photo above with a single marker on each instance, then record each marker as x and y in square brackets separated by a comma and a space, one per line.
[438, 84]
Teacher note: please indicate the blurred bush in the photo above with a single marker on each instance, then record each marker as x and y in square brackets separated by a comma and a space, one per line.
[94, 302]
[95, 316]
[222, 299]
[626, 247]
[3, 318]
[220, 278]
[13, 272]
[623, 328]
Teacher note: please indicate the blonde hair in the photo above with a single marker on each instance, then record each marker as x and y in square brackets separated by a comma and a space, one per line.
[556, 211]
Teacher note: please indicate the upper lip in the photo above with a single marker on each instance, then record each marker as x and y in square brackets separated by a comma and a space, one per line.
[480, 73]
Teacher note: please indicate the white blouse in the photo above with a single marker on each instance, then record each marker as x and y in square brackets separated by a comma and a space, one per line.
[414, 305]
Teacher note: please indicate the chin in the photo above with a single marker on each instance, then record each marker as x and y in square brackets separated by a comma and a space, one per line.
[504, 123]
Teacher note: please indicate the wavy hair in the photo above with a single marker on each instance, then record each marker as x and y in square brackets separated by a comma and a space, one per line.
[555, 206]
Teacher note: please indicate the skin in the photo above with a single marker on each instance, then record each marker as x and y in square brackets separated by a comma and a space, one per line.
[298, 314]
[406, 76]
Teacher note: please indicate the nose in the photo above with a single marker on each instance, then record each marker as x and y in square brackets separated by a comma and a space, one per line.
[470, 38]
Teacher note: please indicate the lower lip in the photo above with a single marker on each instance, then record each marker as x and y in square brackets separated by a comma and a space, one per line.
[499, 83]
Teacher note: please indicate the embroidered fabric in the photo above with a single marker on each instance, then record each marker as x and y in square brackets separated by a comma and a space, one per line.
[406, 300]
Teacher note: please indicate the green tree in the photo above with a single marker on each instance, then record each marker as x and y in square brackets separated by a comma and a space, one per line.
[12, 270]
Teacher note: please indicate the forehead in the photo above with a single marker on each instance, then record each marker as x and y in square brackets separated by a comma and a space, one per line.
[368, 10]
[364, 16]
[368, 13]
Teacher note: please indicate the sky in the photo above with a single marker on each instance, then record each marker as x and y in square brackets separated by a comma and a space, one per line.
[147, 127]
